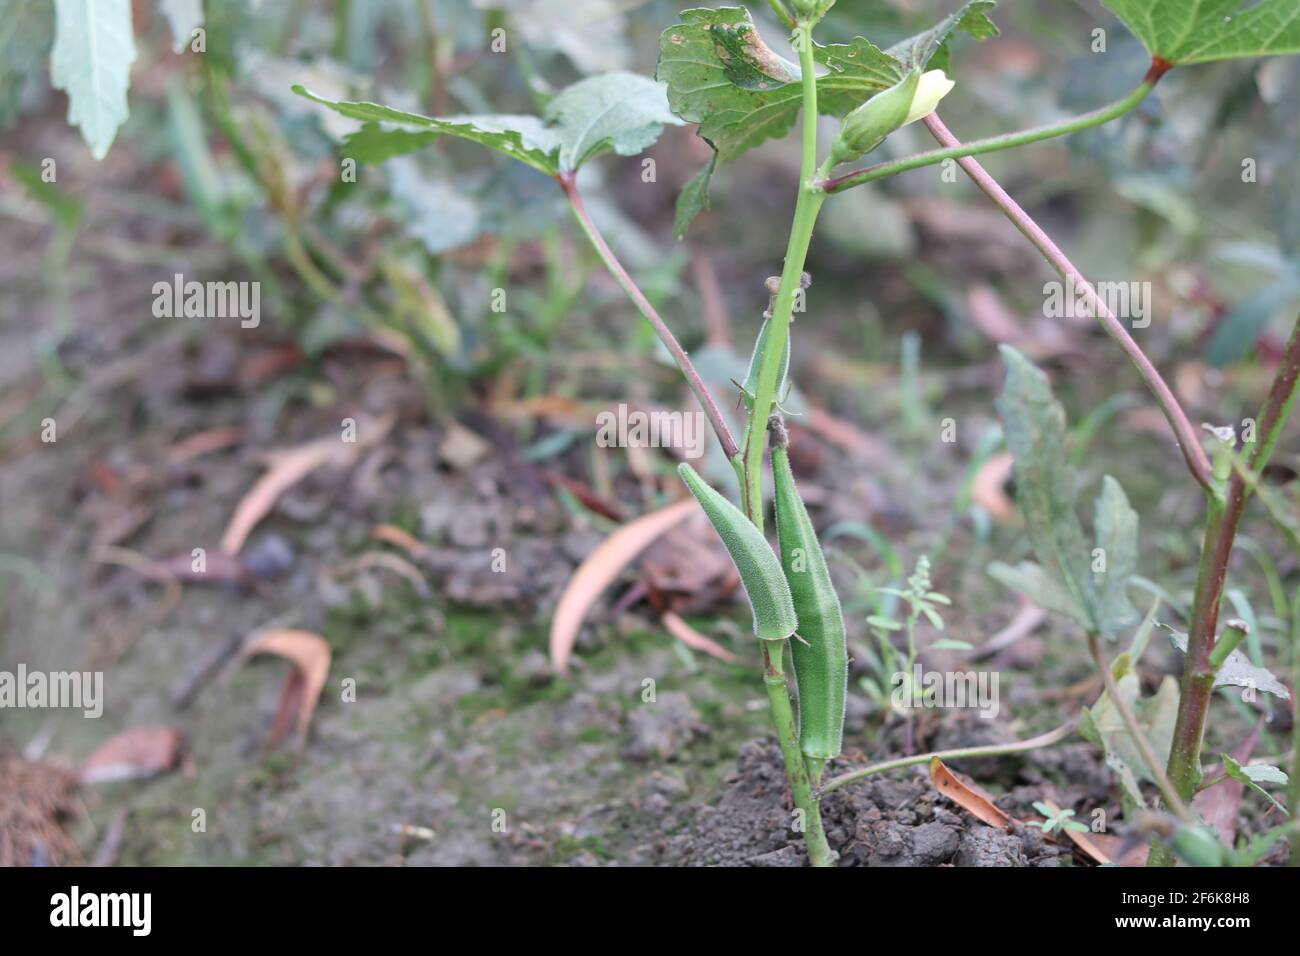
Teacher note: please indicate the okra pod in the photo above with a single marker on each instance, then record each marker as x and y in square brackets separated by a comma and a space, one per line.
[760, 571]
[820, 661]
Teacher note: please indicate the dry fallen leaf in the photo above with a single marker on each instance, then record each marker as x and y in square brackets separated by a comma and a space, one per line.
[600, 569]
[310, 655]
[290, 466]
[135, 754]
[693, 639]
[967, 796]
[1220, 804]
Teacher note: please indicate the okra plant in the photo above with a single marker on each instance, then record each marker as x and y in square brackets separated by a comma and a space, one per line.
[716, 70]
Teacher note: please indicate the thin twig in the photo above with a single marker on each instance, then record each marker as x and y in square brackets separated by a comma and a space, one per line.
[992, 750]
[729, 446]
[1188, 441]
[1154, 766]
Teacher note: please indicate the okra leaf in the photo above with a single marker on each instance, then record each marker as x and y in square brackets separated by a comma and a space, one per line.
[1198, 31]
[525, 138]
[1252, 775]
[622, 112]
[91, 62]
[694, 198]
[723, 76]
[1237, 670]
[375, 144]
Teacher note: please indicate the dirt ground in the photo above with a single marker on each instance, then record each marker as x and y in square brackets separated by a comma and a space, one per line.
[461, 747]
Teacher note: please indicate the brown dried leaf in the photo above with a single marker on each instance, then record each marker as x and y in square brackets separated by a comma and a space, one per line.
[601, 567]
[693, 639]
[967, 796]
[135, 754]
[310, 654]
[290, 466]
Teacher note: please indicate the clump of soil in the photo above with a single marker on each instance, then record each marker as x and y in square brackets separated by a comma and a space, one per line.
[37, 804]
[896, 820]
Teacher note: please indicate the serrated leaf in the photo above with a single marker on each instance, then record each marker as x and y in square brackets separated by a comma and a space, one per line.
[91, 62]
[722, 75]
[1115, 525]
[921, 50]
[1237, 670]
[1252, 775]
[1063, 580]
[1197, 31]
[525, 138]
[1034, 423]
[374, 144]
[1043, 589]
[184, 17]
[624, 112]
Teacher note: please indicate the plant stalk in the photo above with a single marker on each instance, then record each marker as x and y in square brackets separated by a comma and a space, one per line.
[796, 771]
[702, 393]
[994, 144]
[1188, 439]
[807, 205]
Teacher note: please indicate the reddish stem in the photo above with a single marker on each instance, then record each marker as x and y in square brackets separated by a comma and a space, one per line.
[1184, 433]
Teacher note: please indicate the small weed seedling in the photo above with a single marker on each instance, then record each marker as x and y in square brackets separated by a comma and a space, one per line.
[1057, 821]
[715, 70]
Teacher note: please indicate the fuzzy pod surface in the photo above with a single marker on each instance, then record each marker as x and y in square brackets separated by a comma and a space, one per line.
[760, 570]
[821, 665]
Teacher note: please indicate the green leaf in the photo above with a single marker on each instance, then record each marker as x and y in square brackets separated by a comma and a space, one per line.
[64, 207]
[951, 644]
[91, 62]
[722, 75]
[1115, 525]
[1063, 579]
[624, 112]
[1237, 670]
[694, 198]
[1197, 31]
[1238, 331]
[525, 138]
[26, 30]
[1253, 775]
[375, 144]
[184, 16]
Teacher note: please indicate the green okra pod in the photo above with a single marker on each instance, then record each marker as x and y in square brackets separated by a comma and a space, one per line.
[760, 571]
[821, 662]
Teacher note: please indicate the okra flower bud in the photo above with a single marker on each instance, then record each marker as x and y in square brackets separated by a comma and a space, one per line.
[912, 98]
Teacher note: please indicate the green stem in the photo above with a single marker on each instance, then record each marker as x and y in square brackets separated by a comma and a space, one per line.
[994, 750]
[805, 215]
[994, 143]
[796, 771]
[807, 206]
